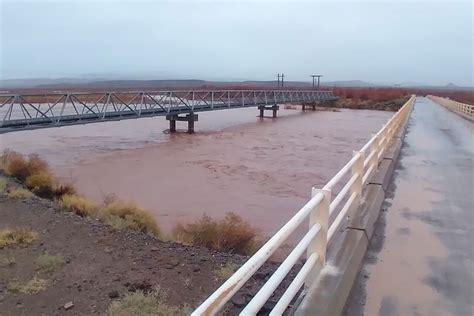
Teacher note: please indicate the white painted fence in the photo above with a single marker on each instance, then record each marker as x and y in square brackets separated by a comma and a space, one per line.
[463, 109]
[321, 231]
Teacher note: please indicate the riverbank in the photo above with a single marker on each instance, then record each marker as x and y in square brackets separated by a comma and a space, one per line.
[99, 264]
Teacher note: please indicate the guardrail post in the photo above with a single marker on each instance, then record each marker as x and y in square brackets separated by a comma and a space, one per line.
[319, 215]
[357, 168]
[374, 161]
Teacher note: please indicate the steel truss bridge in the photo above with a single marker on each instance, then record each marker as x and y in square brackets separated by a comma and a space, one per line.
[32, 111]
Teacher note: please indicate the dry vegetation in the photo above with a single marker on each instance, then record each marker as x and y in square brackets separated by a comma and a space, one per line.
[372, 94]
[47, 263]
[226, 271]
[146, 304]
[34, 173]
[33, 286]
[19, 193]
[16, 236]
[79, 205]
[230, 234]
[121, 214]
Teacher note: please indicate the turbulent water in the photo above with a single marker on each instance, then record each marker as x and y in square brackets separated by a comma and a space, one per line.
[262, 169]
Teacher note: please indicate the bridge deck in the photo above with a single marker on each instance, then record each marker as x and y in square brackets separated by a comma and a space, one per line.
[20, 112]
[421, 256]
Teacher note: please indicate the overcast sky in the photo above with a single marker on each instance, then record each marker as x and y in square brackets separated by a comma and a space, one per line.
[378, 41]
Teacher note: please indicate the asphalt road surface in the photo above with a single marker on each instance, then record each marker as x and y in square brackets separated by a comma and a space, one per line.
[421, 258]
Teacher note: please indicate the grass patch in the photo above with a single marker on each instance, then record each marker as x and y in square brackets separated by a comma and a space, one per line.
[79, 205]
[121, 215]
[151, 304]
[226, 271]
[20, 193]
[230, 234]
[33, 286]
[48, 264]
[16, 236]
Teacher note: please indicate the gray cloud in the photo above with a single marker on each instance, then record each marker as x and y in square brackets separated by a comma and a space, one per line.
[428, 42]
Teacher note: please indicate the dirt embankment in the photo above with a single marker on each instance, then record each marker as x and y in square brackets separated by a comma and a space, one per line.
[95, 264]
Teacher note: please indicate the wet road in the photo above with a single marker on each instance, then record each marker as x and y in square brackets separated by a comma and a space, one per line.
[421, 258]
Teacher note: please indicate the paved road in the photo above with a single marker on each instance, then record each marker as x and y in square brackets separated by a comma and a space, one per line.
[421, 259]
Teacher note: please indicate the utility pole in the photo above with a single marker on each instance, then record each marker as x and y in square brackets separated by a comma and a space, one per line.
[280, 76]
[313, 78]
[318, 76]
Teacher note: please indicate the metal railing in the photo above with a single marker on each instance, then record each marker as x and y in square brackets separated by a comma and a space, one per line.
[321, 233]
[464, 109]
[29, 111]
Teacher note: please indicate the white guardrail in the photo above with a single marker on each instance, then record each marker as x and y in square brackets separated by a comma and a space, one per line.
[320, 234]
[464, 109]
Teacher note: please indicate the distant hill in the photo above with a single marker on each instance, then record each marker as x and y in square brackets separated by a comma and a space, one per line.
[95, 84]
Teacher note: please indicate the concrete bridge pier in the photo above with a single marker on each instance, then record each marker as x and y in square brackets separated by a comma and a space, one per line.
[190, 118]
[274, 108]
[313, 106]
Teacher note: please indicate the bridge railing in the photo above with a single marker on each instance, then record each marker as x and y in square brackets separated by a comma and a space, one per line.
[464, 109]
[325, 215]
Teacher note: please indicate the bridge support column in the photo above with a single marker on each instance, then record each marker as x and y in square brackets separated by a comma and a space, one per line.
[313, 106]
[190, 118]
[274, 108]
[172, 126]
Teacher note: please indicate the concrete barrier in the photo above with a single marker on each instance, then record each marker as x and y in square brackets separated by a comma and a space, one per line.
[328, 295]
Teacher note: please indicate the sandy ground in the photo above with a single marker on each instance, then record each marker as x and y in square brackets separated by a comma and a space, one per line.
[421, 258]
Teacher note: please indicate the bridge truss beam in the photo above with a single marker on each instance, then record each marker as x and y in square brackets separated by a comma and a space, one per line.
[31, 111]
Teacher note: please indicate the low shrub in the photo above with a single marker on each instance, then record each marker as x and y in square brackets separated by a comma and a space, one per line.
[150, 304]
[62, 189]
[48, 264]
[130, 215]
[40, 184]
[79, 205]
[33, 286]
[16, 236]
[19, 167]
[34, 173]
[226, 271]
[230, 234]
[15, 165]
[20, 193]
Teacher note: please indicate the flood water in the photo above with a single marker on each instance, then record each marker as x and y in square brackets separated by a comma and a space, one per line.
[262, 169]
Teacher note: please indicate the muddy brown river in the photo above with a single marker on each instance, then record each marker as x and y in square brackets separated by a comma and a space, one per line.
[262, 169]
